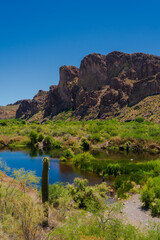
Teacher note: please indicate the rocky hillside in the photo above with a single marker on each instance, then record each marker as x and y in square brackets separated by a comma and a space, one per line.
[9, 111]
[103, 87]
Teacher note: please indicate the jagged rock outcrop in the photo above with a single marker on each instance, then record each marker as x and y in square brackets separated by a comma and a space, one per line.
[67, 87]
[144, 88]
[53, 102]
[16, 103]
[100, 88]
[24, 110]
[63, 96]
[29, 107]
[38, 102]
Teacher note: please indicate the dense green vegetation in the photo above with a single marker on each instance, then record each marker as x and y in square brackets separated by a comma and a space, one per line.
[150, 195]
[75, 141]
[81, 135]
[78, 211]
[126, 175]
[20, 215]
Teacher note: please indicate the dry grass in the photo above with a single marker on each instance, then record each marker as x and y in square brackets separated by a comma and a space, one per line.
[6, 140]
[8, 112]
[148, 108]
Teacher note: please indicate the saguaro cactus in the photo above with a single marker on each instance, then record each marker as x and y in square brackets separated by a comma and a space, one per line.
[45, 187]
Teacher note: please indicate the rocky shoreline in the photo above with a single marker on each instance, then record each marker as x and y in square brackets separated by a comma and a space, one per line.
[136, 214]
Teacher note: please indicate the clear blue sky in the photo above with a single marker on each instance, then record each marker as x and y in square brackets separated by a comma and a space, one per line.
[37, 37]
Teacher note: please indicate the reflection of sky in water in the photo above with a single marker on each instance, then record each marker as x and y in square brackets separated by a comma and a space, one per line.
[58, 172]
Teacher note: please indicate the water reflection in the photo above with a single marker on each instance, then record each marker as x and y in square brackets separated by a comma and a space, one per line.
[31, 159]
[124, 156]
[59, 172]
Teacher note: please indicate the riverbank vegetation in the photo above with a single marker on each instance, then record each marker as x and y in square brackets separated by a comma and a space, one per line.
[79, 136]
[128, 177]
[76, 211]
[150, 195]
[76, 141]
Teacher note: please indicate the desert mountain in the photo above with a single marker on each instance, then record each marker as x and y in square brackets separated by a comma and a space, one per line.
[114, 85]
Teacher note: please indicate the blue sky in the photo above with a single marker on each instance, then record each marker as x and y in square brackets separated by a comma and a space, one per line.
[37, 37]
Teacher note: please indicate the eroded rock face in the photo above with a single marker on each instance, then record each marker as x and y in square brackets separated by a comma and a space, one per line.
[24, 110]
[38, 102]
[67, 87]
[97, 70]
[63, 96]
[100, 88]
[93, 72]
[53, 102]
[28, 108]
[144, 88]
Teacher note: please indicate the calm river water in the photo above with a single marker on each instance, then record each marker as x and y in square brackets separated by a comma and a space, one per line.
[61, 172]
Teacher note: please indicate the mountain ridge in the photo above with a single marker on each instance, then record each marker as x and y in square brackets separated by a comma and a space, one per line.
[102, 87]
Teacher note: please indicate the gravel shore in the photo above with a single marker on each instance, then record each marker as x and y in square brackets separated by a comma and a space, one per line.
[135, 214]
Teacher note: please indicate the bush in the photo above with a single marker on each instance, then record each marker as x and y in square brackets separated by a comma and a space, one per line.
[123, 190]
[150, 195]
[155, 207]
[84, 144]
[67, 154]
[86, 197]
[47, 144]
[147, 196]
[139, 119]
[84, 161]
[95, 137]
[55, 192]
[40, 138]
[56, 144]
[20, 215]
[33, 137]
[3, 123]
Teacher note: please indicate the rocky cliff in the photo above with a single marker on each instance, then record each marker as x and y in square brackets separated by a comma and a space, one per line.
[101, 88]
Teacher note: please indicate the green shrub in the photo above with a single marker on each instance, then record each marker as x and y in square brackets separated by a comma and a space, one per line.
[119, 181]
[86, 197]
[123, 185]
[39, 129]
[123, 190]
[95, 137]
[150, 193]
[33, 137]
[84, 144]
[68, 154]
[139, 119]
[84, 161]
[56, 191]
[3, 123]
[155, 207]
[40, 138]
[20, 215]
[56, 144]
[112, 169]
[47, 144]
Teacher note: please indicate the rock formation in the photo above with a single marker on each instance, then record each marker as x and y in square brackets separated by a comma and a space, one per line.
[28, 108]
[100, 88]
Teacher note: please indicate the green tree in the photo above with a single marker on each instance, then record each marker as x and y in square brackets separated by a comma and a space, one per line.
[33, 137]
